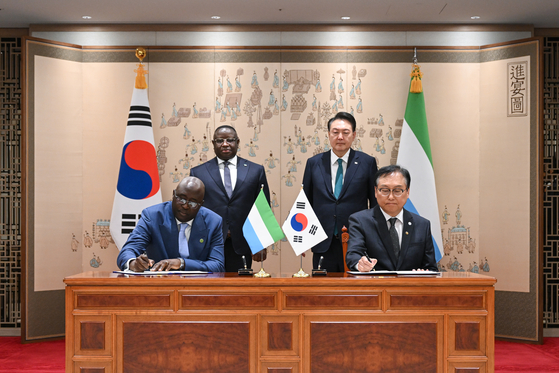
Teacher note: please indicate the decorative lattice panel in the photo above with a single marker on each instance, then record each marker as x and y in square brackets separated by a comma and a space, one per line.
[10, 182]
[551, 181]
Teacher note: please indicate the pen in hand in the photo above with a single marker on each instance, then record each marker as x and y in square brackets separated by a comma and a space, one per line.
[370, 261]
[146, 254]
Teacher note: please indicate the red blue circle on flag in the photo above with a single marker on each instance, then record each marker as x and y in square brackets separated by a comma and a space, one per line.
[138, 177]
[299, 222]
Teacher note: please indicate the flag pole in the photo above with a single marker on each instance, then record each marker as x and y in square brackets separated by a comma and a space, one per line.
[262, 273]
[301, 272]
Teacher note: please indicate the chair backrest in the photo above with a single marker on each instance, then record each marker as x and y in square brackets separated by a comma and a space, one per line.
[345, 239]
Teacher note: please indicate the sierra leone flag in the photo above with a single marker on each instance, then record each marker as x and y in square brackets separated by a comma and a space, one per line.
[261, 229]
[138, 179]
[415, 155]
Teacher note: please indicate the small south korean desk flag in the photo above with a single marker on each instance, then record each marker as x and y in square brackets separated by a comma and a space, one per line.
[138, 180]
[302, 228]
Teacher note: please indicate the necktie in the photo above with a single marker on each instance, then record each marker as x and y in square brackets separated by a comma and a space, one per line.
[183, 241]
[227, 179]
[394, 237]
[339, 179]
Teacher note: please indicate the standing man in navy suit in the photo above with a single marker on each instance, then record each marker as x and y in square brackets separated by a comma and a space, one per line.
[338, 183]
[393, 238]
[176, 235]
[232, 185]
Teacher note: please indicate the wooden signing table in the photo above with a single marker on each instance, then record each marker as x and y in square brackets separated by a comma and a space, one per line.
[221, 323]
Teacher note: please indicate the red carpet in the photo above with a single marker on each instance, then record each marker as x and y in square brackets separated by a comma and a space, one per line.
[511, 357]
[40, 357]
[48, 357]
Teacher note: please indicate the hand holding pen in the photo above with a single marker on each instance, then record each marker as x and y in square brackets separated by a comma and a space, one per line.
[141, 263]
[366, 264]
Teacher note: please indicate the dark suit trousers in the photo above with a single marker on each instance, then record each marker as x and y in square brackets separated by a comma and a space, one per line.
[234, 261]
[333, 258]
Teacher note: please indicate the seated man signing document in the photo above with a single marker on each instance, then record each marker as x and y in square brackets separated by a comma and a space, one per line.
[176, 235]
[388, 237]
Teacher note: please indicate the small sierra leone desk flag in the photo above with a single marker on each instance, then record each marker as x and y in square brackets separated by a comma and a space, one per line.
[138, 179]
[261, 228]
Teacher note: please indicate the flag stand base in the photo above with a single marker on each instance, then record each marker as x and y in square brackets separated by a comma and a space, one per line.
[262, 273]
[301, 273]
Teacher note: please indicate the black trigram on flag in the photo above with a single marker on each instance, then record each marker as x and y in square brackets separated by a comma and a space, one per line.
[298, 239]
[128, 223]
[139, 116]
[300, 205]
[313, 229]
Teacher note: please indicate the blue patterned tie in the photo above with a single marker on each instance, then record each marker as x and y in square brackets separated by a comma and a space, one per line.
[227, 178]
[339, 179]
[183, 242]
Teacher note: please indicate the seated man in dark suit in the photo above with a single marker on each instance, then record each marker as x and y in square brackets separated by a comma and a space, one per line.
[393, 238]
[176, 235]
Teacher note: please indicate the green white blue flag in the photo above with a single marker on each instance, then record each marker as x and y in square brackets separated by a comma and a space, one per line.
[415, 155]
[261, 229]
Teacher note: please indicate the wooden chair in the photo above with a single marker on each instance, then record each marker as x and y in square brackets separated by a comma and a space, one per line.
[345, 238]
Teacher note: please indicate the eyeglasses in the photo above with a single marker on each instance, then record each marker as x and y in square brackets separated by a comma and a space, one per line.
[229, 141]
[182, 201]
[396, 192]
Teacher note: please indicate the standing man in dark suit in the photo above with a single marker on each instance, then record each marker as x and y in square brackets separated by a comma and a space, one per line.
[232, 185]
[392, 237]
[338, 183]
[176, 235]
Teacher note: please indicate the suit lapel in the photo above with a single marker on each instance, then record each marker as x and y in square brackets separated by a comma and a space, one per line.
[198, 236]
[326, 169]
[170, 233]
[407, 234]
[213, 170]
[382, 228]
[352, 166]
[242, 172]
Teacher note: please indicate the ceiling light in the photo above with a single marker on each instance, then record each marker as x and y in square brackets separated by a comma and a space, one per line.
[216, 17]
[86, 17]
[475, 17]
[346, 17]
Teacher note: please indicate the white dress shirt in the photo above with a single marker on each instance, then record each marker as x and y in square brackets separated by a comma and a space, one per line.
[232, 170]
[399, 223]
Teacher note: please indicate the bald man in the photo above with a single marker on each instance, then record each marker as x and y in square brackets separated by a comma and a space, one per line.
[176, 235]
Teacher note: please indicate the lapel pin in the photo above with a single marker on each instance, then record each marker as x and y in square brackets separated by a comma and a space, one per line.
[202, 240]
[409, 222]
[356, 162]
[406, 232]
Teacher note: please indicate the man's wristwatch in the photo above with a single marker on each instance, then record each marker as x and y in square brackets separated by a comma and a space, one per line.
[182, 264]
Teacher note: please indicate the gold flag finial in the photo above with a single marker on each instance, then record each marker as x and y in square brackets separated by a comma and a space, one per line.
[141, 53]
[140, 71]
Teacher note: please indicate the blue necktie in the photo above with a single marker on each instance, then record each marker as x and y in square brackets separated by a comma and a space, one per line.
[227, 179]
[183, 242]
[338, 186]
[339, 179]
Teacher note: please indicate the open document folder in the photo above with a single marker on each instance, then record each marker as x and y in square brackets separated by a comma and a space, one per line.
[157, 273]
[399, 273]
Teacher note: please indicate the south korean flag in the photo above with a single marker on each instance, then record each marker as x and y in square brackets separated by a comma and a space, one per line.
[302, 228]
